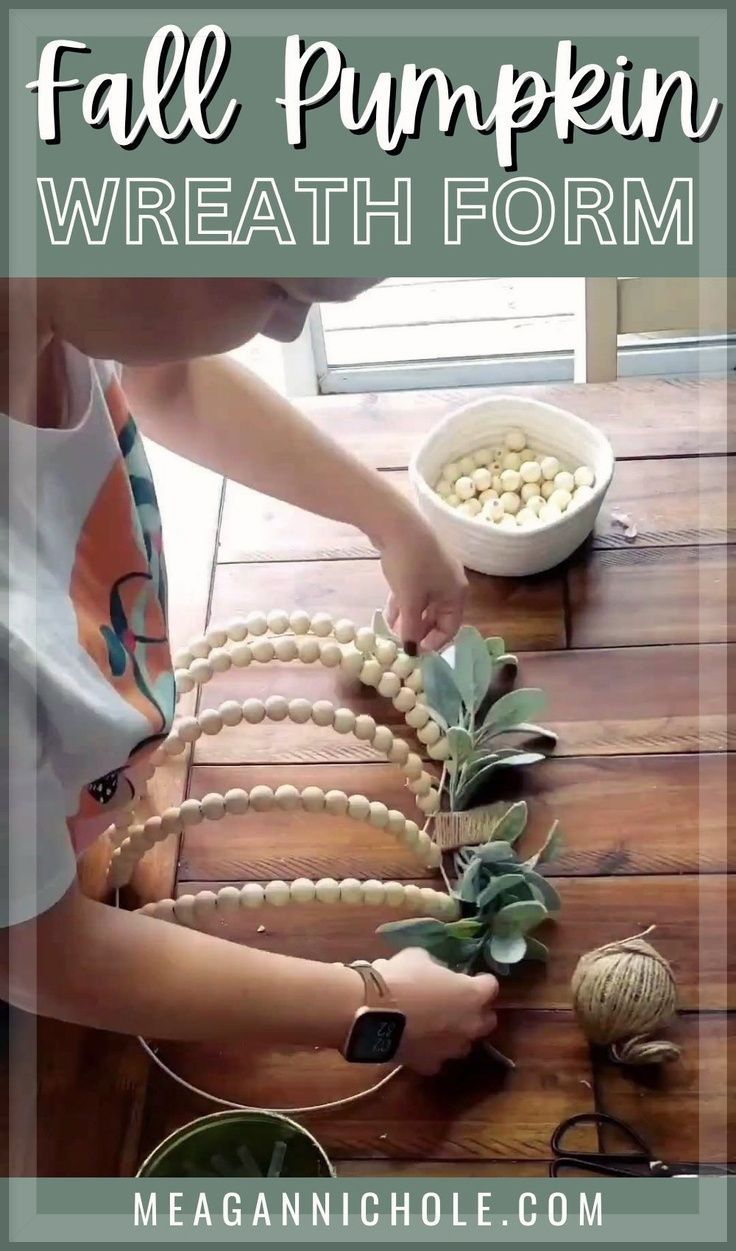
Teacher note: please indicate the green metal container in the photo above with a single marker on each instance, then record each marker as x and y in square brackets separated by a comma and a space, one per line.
[238, 1144]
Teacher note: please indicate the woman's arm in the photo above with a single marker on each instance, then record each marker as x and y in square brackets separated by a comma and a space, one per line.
[217, 413]
[94, 965]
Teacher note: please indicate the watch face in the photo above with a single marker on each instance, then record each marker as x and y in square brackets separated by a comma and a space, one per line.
[375, 1036]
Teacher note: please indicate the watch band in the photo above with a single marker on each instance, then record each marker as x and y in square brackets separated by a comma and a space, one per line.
[377, 993]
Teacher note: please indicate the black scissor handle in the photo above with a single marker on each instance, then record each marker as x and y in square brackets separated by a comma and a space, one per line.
[598, 1119]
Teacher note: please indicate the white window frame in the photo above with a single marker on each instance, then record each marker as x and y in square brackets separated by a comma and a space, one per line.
[609, 307]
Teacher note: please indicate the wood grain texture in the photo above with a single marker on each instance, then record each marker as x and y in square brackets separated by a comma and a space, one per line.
[601, 702]
[528, 613]
[620, 815]
[649, 596]
[684, 1110]
[641, 416]
[594, 911]
[473, 1111]
[669, 504]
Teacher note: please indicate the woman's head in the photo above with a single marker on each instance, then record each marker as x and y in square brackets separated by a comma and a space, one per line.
[153, 320]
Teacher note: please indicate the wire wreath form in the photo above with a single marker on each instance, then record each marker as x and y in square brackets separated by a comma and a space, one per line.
[379, 662]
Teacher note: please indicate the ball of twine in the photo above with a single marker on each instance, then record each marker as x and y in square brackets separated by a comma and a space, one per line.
[622, 994]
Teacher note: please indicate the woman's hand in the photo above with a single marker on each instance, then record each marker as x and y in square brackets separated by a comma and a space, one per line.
[446, 1012]
[428, 585]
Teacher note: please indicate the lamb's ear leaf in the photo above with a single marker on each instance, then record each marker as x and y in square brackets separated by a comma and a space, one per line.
[551, 847]
[527, 728]
[507, 948]
[514, 707]
[440, 687]
[469, 787]
[513, 823]
[469, 884]
[496, 887]
[473, 667]
[495, 647]
[495, 852]
[546, 890]
[536, 950]
[509, 659]
[461, 743]
[517, 918]
[416, 932]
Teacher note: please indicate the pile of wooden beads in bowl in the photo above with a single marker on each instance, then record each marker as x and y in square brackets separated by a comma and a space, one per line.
[514, 485]
[378, 662]
[511, 485]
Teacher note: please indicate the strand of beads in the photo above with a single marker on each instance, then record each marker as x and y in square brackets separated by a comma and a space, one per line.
[192, 909]
[139, 839]
[263, 637]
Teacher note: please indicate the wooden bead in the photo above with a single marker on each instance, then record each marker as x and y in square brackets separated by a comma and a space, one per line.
[287, 797]
[251, 895]
[351, 891]
[188, 729]
[241, 655]
[153, 828]
[261, 798]
[394, 894]
[237, 629]
[302, 890]
[359, 807]
[254, 710]
[237, 801]
[373, 892]
[336, 803]
[199, 647]
[430, 900]
[344, 720]
[190, 812]
[389, 685]
[383, 739]
[257, 623]
[313, 799]
[327, 890]
[231, 712]
[210, 721]
[352, 662]
[164, 910]
[173, 745]
[386, 651]
[216, 636]
[371, 673]
[300, 621]
[277, 707]
[423, 844]
[205, 905]
[300, 710]
[322, 624]
[263, 651]
[405, 700]
[429, 803]
[396, 821]
[411, 833]
[170, 821]
[421, 785]
[400, 752]
[415, 681]
[228, 901]
[365, 728]
[277, 620]
[403, 666]
[344, 630]
[412, 897]
[200, 670]
[184, 909]
[330, 654]
[365, 639]
[378, 815]
[434, 857]
[417, 717]
[413, 766]
[184, 681]
[183, 659]
[439, 750]
[285, 648]
[213, 807]
[219, 660]
[277, 893]
[308, 650]
[323, 712]
[429, 733]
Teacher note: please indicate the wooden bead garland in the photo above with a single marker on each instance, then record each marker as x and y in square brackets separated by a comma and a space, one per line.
[379, 663]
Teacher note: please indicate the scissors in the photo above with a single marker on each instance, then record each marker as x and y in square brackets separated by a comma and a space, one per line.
[638, 1161]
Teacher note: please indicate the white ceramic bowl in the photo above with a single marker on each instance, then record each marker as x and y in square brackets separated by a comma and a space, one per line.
[553, 431]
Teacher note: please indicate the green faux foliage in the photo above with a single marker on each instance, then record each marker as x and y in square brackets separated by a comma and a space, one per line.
[461, 699]
[502, 899]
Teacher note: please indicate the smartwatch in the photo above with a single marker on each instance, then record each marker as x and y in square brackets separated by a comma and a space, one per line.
[376, 1030]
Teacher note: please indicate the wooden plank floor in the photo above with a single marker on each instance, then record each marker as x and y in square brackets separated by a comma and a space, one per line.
[629, 642]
